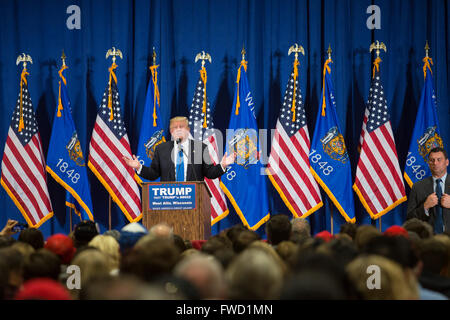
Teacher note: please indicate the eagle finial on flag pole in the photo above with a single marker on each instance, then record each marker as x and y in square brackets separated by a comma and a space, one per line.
[24, 58]
[378, 46]
[114, 53]
[203, 56]
[296, 49]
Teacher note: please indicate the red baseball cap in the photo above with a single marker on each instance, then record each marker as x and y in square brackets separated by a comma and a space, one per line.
[43, 289]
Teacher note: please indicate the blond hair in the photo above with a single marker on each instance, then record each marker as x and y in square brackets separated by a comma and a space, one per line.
[178, 119]
[394, 285]
[110, 247]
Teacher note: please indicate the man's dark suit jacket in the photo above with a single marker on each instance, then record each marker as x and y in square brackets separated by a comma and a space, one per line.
[163, 167]
[419, 193]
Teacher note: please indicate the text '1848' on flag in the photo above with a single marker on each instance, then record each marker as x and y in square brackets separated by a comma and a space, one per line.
[244, 183]
[426, 134]
[329, 160]
[65, 159]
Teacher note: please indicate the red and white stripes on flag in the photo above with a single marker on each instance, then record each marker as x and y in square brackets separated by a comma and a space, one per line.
[201, 122]
[23, 174]
[288, 167]
[109, 143]
[219, 208]
[378, 184]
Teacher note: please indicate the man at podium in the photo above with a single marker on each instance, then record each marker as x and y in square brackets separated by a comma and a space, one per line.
[181, 159]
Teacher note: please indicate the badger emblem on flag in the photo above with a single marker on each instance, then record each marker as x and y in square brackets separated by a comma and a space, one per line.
[334, 145]
[429, 140]
[74, 149]
[153, 142]
[244, 143]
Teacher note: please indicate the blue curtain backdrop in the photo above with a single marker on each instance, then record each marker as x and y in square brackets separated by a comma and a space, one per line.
[179, 29]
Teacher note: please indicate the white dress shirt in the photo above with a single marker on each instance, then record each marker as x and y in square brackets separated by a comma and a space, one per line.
[176, 149]
[442, 183]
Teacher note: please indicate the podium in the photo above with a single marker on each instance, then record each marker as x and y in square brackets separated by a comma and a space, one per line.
[171, 202]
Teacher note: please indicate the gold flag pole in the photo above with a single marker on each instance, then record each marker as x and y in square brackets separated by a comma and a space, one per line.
[70, 219]
[296, 49]
[24, 58]
[113, 52]
[204, 57]
[377, 46]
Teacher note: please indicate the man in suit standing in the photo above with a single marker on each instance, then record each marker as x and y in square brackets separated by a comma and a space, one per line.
[429, 199]
[181, 159]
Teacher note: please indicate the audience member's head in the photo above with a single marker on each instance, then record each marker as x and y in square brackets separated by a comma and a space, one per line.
[24, 248]
[301, 227]
[179, 243]
[395, 231]
[446, 241]
[325, 235]
[93, 264]
[342, 250]
[378, 278]
[62, 246]
[278, 229]
[433, 254]
[324, 265]
[11, 272]
[349, 228]
[150, 259]
[234, 231]
[254, 274]
[205, 273]
[43, 289]
[33, 237]
[244, 239]
[423, 229]
[221, 248]
[113, 233]
[363, 235]
[6, 241]
[84, 232]
[130, 235]
[270, 250]
[42, 264]
[110, 247]
[288, 251]
[161, 230]
[400, 250]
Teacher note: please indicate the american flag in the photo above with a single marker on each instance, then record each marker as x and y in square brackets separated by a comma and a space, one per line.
[378, 182]
[23, 165]
[197, 120]
[109, 143]
[288, 167]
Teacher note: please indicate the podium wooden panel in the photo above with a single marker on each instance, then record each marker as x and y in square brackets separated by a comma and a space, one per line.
[194, 224]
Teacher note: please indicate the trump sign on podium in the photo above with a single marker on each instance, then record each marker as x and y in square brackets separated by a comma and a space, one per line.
[165, 196]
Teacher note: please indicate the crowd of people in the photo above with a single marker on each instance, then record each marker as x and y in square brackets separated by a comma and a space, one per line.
[407, 262]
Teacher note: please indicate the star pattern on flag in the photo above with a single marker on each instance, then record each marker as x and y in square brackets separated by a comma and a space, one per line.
[196, 117]
[377, 104]
[29, 121]
[286, 115]
[116, 125]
